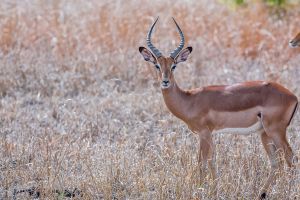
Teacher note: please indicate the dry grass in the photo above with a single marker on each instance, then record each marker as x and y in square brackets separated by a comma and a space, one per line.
[79, 108]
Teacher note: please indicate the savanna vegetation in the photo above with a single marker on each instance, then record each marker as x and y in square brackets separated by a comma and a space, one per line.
[82, 115]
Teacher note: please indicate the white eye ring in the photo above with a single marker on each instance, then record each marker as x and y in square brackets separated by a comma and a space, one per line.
[157, 66]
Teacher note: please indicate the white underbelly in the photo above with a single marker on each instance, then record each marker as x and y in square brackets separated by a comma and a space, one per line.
[255, 128]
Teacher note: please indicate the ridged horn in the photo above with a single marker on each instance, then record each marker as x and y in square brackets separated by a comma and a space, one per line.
[181, 45]
[154, 50]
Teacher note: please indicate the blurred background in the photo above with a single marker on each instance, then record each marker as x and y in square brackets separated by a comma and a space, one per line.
[80, 108]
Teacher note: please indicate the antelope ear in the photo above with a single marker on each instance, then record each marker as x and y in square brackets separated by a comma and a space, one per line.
[183, 55]
[148, 56]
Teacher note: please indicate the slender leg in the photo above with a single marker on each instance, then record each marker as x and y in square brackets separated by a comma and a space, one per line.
[203, 156]
[277, 138]
[211, 160]
[274, 160]
[291, 160]
[206, 155]
[212, 168]
[282, 143]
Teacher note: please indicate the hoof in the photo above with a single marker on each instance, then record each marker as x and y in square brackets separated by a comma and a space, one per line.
[263, 195]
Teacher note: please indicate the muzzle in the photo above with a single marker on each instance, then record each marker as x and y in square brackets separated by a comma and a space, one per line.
[293, 44]
[165, 83]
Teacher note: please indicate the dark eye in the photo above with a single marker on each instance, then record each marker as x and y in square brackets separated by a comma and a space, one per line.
[173, 67]
[157, 66]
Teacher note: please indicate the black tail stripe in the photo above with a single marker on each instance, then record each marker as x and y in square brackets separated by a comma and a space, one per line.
[293, 113]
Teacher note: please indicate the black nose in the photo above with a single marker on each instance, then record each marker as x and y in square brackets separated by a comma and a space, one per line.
[165, 81]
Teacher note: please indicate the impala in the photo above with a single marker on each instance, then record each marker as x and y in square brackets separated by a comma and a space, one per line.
[261, 107]
[295, 42]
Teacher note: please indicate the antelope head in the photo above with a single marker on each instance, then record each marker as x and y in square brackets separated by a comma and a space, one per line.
[165, 65]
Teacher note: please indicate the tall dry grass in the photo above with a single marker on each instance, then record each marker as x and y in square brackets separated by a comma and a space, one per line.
[79, 108]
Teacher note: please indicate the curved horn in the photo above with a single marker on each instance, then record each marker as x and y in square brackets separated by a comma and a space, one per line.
[155, 51]
[181, 45]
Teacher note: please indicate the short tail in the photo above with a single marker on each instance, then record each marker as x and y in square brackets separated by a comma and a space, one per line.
[295, 109]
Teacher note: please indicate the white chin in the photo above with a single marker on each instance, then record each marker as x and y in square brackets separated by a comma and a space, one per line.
[293, 45]
[165, 86]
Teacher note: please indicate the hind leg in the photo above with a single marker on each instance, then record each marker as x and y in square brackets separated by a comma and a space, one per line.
[282, 144]
[271, 151]
[275, 134]
[275, 123]
[288, 153]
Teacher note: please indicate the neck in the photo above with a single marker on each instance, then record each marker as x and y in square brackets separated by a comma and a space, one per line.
[177, 101]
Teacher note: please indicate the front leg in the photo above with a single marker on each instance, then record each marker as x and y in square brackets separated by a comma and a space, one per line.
[206, 154]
